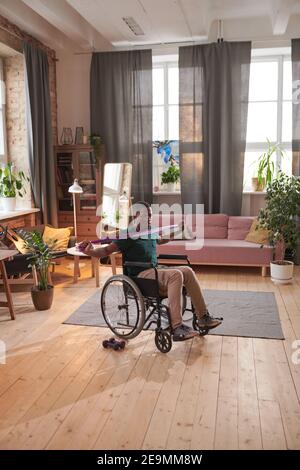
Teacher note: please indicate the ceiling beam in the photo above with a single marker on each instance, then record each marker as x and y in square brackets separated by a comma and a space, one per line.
[280, 15]
[66, 19]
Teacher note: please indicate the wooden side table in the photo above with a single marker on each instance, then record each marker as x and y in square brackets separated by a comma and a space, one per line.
[94, 261]
[6, 254]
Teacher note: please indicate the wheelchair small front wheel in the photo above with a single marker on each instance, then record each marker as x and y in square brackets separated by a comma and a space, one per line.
[201, 330]
[163, 341]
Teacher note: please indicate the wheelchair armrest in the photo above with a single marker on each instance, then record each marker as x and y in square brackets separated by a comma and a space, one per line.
[175, 257]
[138, 264]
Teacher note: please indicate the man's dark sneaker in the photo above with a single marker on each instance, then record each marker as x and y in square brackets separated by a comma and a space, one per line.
[184, 332]
[208, 321]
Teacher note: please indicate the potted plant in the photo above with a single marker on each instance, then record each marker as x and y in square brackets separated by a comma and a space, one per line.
[39, 256]
[97, 143]
[266, 167]
[11, 184]
[279, 218]
[171, 177]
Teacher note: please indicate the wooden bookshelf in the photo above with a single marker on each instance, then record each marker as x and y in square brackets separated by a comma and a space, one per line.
[78, 161]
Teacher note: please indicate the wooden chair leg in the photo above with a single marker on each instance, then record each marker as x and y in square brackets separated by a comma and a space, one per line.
[76, 269]
[95, 264]
[9, 302]
[113, 263]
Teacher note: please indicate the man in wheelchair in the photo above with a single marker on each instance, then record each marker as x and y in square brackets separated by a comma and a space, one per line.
[142, 249]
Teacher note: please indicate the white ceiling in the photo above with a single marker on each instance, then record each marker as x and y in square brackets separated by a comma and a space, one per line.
[87, 24]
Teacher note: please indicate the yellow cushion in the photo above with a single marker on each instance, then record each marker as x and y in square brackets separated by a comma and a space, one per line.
[257, 236]
[57, 238]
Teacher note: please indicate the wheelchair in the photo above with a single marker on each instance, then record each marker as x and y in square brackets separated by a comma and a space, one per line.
[131, 304]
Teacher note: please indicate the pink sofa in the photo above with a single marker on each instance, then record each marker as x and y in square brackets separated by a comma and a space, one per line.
[224, 242]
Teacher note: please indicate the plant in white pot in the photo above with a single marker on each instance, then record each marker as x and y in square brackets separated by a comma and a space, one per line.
[11, 184]
[279, 217]
[40, 257]
[171, 177]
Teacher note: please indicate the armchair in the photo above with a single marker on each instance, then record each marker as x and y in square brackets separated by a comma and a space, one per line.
[19, 265]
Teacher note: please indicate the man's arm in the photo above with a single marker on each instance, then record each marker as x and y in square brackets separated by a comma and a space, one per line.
[101, 252]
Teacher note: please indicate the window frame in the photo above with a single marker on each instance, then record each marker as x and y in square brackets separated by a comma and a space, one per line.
[285, 145]
[166, 64]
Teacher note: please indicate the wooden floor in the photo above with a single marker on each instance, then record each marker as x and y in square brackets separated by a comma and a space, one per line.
[60, 390]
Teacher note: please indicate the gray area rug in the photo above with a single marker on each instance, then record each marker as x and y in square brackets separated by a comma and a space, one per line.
[248, 314]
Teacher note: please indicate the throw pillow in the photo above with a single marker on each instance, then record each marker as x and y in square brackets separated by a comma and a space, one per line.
[259, 236]
[19, 244]
[57, 238]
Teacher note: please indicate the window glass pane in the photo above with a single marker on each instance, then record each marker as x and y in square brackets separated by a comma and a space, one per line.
[262, 122]
[263, 81]
[158, 123]
[173, 122]
[287, 80]
[173, 85]
[158, 85]
[286, 162]
[287, 121]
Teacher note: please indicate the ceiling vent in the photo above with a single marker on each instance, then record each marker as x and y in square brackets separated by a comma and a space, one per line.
[133, 25]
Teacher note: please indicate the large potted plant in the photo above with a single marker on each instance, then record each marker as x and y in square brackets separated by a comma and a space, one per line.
[279, 218]
[11, 184]
[171, 177]
[266, 167]
[40, 257]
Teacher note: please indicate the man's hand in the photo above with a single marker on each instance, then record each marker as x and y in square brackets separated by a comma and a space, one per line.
[86, 247]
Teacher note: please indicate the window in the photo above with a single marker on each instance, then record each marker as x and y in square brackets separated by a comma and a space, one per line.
[269, 113]
[2, 115]
[165, 80]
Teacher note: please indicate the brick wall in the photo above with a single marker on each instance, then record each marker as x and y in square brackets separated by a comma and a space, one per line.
[14, 76]
[13, 36]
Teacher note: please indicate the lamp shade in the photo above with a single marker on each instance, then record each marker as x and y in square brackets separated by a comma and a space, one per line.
[75, 188]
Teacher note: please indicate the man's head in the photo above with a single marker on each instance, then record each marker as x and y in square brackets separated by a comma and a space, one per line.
[142, 214]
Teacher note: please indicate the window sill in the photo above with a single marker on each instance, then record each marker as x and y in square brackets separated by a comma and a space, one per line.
[256, 193]
[166, 193]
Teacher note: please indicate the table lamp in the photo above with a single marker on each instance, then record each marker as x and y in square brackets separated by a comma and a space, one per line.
[75, 189]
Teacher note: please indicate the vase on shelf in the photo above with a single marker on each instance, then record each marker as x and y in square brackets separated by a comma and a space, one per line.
[66, 136]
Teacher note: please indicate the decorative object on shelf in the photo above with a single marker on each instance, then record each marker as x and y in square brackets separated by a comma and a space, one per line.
[266, 167]
[97, 144]
[75, 189]
[280, 219]
[79, 136]
[40, 258]
[66, 136]
[11, 184]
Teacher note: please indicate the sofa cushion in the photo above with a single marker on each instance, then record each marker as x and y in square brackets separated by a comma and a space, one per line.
[215, 226]
[239, 227]
[221, 251]
[257, 234]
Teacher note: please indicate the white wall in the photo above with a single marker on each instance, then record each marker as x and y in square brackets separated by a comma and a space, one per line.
[73, 91]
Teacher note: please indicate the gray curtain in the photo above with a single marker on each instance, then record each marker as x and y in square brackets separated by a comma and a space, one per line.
[213, 107]
[40, 140]
[121, 112]
[296, 105]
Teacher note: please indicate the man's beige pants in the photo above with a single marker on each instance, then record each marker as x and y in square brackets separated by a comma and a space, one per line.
[171, 282]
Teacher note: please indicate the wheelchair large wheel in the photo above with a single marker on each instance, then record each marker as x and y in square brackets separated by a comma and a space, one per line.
[122, 306]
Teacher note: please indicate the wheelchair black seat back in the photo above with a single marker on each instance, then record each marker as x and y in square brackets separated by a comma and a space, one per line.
[131, 304]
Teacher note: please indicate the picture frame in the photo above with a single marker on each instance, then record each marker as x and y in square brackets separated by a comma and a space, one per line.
[79, 135]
